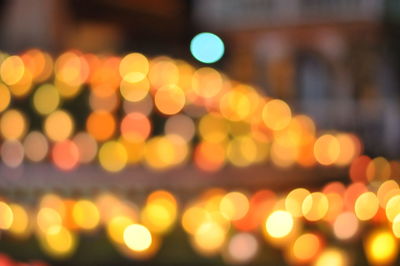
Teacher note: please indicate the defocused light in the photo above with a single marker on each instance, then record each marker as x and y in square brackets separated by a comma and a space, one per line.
[381, 247]
[85, 214]
[276, 114]
[87, 147]
[294, 201]
[396, 226]
[46, 99]
[169, 99]
[5, 97]
[13, 124]
[137, 237]
[36, 146]
[345, 226]
[378, 169]
[20, 225]
[6, 216]
[315, 206]
[135, 127]
[101, 125]
[12, 153]
[65, 155]
[163, 72]
[242, 248]
[213, 128]
[327, 149]
[181, 125]
[48, 218]
[366, 206]
[386, 190]
[207, 82]
[306, 247]
[209, 238]
[279, 224]
[332, 257]
[116, 227]
[113, 156]
[134, 67]
[234, 205]
[207, 47]
[59, 125]
[12, 69]
[59, 242]
[393, 208]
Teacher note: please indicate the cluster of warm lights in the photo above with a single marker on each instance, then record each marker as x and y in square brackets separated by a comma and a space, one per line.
[203, 115]
[205, 118]
[301, 223]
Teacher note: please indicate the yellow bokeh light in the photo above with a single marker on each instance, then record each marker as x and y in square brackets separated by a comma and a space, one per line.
[279, 224]
[46, 99]
[59, 125]
[48, 218]
[20, 225]
[242, 151]
[6, 216]
[396, 226]
[315, 206]
[59, 242]
[5, 97]
[159, 153]
[381, 247]
[85, 214]
[169, 99]
[378, 169]
[134, 66]
[213, 128]
[234, 205]
[13, 125]
[326, 149]
[116, 227]
[12, 70]
[393, 207]
[207, 82]
[366, 206]
[294, 201]
[209, 238]
[134, 91]
[332, 257]
[113, 156]
[137, 237]
[276, 114]
[306, 247]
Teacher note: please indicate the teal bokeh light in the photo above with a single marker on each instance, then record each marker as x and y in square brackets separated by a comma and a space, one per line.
[207, 47]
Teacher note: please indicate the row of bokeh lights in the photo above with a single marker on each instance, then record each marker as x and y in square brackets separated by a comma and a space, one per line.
[209, 119]
[234, 225]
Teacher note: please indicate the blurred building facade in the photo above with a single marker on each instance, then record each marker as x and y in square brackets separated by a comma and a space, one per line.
[330, 59]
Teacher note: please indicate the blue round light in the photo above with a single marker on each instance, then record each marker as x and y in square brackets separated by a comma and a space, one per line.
[207, 47]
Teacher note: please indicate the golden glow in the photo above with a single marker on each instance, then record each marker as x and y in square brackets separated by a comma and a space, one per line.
[113, 156]
[59, 242]
[135, 127]
[134, 67]
[36, 146]
[134, 90]
[12, 70]
[48, 218]
[315, 206]
[213, 128]
[20, 225]
[159, 153]
[381, 247]
[85, 214]
[366, 206]
[137, 237]
[209, 238]
[279, 224]
[116, 227]
[396, 226]
[59, 125]
[101, 125]
[5, 97]
[13, 125]
[332, 256]
[294, 201]
[234, 205]
[306, 247]
[169, 99]
[207, 82]
[46, 99]
[6, 216]
[276, 114]
[326, 149]
[393, 207]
